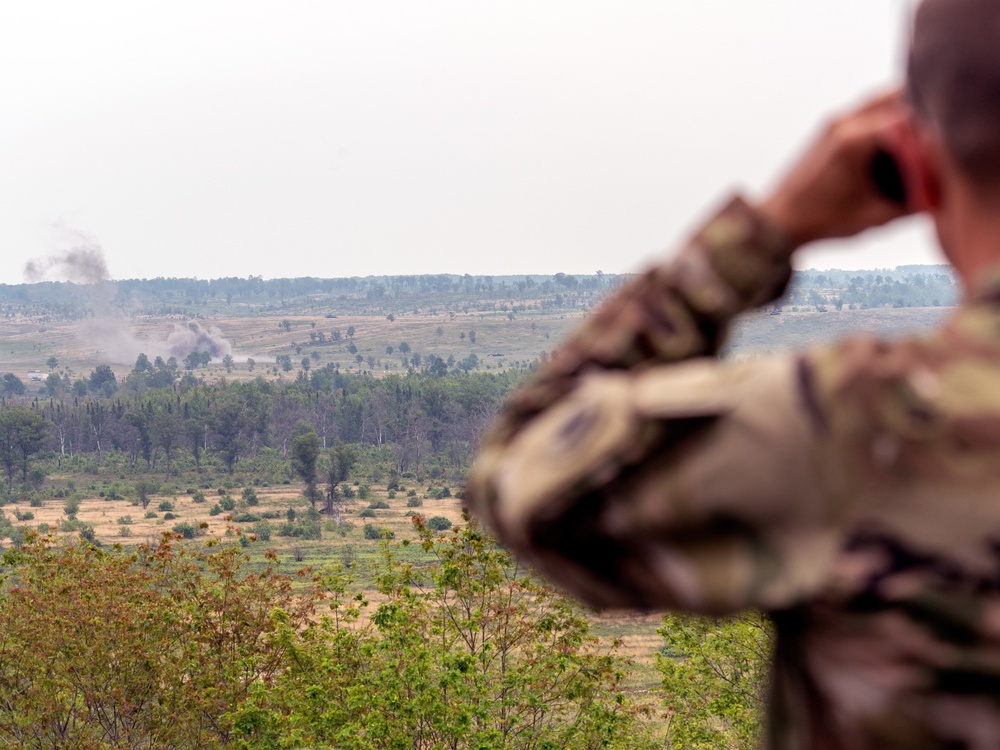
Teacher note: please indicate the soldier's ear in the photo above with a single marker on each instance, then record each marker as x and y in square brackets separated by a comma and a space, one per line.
[918, 156]
[925, 169]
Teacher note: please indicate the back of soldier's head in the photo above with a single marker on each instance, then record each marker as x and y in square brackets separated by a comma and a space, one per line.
[954, 80]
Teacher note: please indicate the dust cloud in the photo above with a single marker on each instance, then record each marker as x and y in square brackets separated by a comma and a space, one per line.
[108, 333]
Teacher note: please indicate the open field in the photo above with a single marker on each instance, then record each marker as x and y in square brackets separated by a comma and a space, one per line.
[79, 346]
[500, 342]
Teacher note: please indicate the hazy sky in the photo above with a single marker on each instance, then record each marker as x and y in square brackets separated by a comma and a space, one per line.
[236, 138]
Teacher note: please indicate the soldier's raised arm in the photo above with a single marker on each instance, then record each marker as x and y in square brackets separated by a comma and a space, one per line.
[637, 470]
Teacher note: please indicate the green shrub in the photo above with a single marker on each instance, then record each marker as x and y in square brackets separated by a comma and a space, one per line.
[214, 510]
[35, 502]
[250, 496]
[263, 530]
[71, 507]
[151, 514]
[364, 491]
[197, 496]
[414, 502]
[165, 506]
[439, 523]
[372, 531]
[187, 529]
[227, 502]
[169, 516]
[246, 518]
[125, 520]
[367, 513]
[379, 505]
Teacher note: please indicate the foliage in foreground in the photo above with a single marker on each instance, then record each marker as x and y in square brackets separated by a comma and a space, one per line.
[182, 646]
[714, 679]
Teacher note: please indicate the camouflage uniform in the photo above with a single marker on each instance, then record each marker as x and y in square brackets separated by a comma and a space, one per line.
[853, 492]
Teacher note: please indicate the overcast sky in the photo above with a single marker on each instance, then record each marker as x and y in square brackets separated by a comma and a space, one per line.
[237, 138]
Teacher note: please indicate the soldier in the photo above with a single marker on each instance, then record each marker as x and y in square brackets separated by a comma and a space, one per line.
[852, 493]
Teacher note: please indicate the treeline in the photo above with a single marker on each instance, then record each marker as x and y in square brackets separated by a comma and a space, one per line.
[418, 422]
[254, 295]
[906, 286]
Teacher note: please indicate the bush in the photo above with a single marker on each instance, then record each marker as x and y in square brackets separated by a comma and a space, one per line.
[374, 532]
[151, 514]
[197, 496]
[367, 513]
[35, 502]
[169, 516]
[71, 507]
[271, 514]
[379, 505]
[187, 529]
[364, 491]
[214, 510]
[125, 520]
[263, 530]
[165, 506]
[414, 502]
[411, 493]
[250, 496]
[246, 518]
[25, 516]
[227, 502]
[347, 491]
[124, 531]
[439, 523]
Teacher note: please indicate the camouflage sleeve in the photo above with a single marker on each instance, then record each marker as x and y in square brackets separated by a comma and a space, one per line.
[637, 470]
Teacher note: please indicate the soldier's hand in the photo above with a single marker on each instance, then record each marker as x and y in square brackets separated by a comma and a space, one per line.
[830, 192]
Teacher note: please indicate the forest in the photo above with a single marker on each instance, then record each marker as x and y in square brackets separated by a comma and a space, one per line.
[266, 548]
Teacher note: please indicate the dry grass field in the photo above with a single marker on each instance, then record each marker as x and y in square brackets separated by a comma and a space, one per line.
[79, 346]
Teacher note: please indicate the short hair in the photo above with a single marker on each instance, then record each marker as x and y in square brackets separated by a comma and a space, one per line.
[953, 80]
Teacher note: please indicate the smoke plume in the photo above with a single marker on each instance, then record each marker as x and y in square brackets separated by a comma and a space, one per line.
[84, 264]
[109, 334]
[193, 338]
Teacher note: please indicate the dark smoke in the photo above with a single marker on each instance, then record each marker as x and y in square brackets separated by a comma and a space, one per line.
[193, 338]
[83, 264]
[115, 342]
